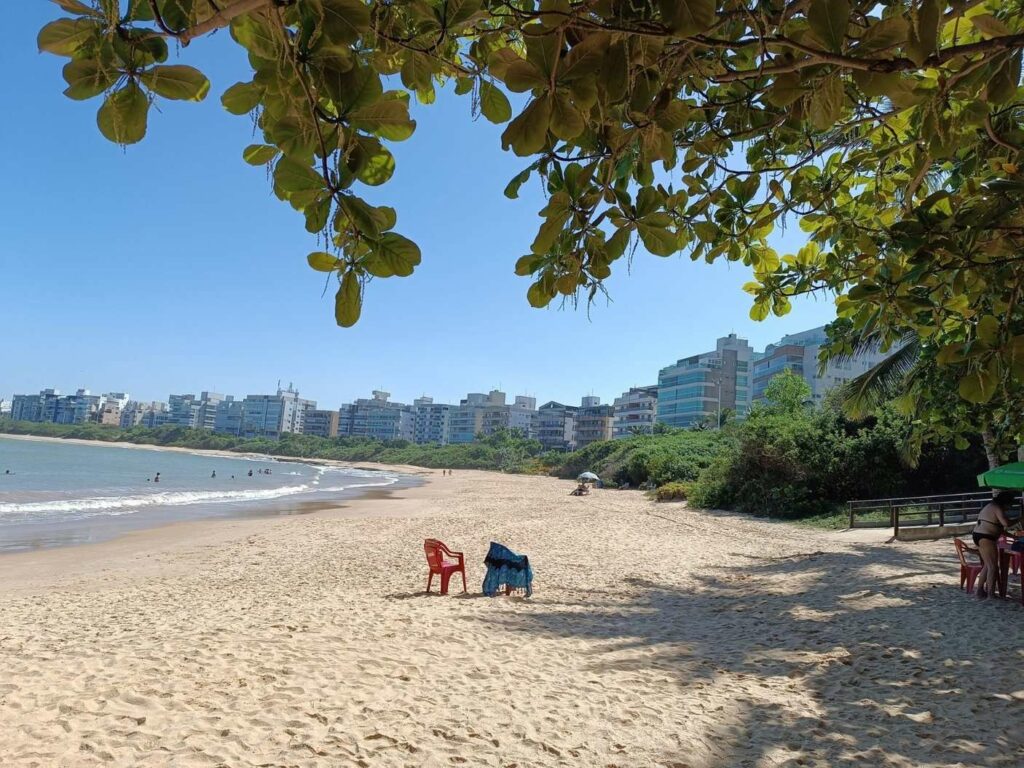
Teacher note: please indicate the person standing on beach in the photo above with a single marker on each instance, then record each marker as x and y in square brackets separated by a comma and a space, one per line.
[992, 524]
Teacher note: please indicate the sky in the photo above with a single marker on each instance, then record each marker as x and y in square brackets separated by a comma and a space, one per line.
[169, 266]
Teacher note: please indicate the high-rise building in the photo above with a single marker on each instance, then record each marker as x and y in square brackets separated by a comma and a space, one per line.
[635, 411]
[227, 420]
[183, 410]
[431, 421]
[274, 415]
[466, 421]
[5, 408]
[142, 414]
[377, 418]
[556, 426]
[79, 408]
[321, 423]
[798, 352]
[479, 414]
[593, 421]
[706, 386]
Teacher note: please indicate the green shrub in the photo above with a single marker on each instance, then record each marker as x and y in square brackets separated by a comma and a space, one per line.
[673, 492]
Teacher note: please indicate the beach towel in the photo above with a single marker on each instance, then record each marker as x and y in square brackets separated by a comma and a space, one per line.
[506, 569]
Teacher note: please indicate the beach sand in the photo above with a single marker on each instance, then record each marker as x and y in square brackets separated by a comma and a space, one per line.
[657, 636]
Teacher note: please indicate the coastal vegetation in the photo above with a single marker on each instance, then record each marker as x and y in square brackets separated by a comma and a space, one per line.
[787, 459]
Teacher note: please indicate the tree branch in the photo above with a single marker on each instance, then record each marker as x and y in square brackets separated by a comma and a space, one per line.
[221, 19]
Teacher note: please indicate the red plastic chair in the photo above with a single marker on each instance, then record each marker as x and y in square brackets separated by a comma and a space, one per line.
[968, 571]
[443, 561]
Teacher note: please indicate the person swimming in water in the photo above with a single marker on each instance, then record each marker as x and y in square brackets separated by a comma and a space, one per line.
[157, 478]
[214, 473]
[250, 473]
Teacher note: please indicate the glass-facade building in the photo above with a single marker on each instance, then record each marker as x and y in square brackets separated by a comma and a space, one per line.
[706, 386]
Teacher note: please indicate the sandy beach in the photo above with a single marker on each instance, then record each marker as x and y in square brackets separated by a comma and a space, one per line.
[657, 636]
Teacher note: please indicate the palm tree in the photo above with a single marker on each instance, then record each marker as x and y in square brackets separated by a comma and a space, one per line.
[897, 376]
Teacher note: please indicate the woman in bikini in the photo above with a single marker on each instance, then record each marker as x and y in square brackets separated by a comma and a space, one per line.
[992, 523]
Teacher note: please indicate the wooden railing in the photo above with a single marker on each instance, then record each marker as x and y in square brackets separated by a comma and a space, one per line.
[896, 513]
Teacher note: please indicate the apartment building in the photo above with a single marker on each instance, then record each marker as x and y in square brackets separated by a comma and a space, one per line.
[377, 417]
[431, 421]
[635, 411]
[593, 421]
[703, 387]
[274, 415]
[798, 352]
[320, 423]
[556, 426]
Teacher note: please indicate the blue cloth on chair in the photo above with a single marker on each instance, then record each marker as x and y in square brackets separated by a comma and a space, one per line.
[506, 569]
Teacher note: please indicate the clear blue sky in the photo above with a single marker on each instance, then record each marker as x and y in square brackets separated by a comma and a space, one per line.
[171, 267]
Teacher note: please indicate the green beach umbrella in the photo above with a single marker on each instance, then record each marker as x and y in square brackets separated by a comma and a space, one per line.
[1008, 476]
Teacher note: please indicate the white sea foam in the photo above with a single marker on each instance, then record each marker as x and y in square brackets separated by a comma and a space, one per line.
[116, 505]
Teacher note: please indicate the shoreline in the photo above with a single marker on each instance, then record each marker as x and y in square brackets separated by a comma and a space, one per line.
[137, 553]
[42, 535]
[403, 468]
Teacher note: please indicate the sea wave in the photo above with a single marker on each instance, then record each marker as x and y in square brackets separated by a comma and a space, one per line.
[114, 505]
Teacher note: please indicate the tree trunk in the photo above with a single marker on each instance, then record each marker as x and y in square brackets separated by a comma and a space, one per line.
[989, 441]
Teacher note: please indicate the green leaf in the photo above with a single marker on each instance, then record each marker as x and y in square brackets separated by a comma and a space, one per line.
[657, 240]
[525, 265]
[292, 176]
[400, 253]
[706, 231]
[760, 310]
[512, 190]
[522, 76]
[255, 35]
[348, 301]
[989, 26]
[979, 384]
[122, 118]
[827, 103]
[988, 330]
[494, 104]
[317, 213]
[688, 17]
[538, 296]
[584, 58]
[353, 88]
[76, 7]
[1003, 85]
[259, 154]
[342, 21]
[387, 118]
[361, 215]
[242, 98]
[566, 121]
[884, 34]
[828, 20]
[924, 38]
[65, 36]
[323, 262]
[176, 81]
[417, 72]
[458, 12]
[379, 168]
[528, 133]
[87, 78]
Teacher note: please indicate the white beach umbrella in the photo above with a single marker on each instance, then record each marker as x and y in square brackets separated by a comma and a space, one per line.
[588, 476]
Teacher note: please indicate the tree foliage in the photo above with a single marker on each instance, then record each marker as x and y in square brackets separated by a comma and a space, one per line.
[889, 131]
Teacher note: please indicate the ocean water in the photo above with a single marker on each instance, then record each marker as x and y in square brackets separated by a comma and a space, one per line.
[55, 493]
